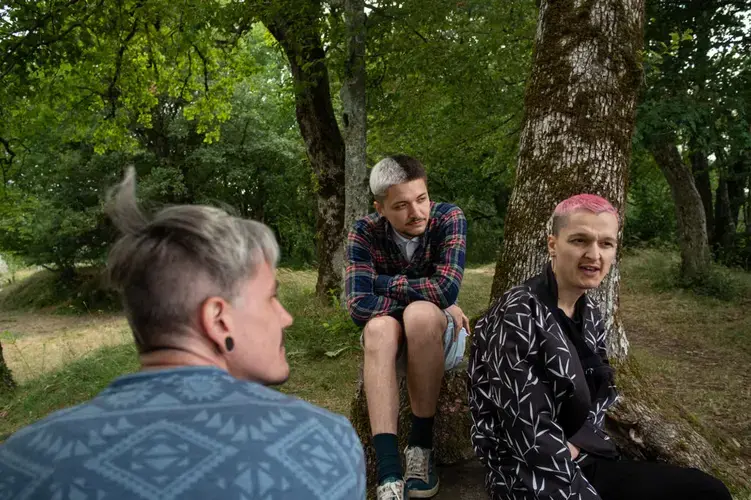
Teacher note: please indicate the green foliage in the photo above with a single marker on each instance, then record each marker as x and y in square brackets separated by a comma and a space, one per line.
[650, 212]
[446, 84]
[56, 184]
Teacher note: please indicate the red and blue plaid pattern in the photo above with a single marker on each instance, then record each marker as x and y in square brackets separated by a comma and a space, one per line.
[380, 281]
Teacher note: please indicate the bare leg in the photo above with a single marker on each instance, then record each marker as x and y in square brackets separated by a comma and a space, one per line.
[424, 324]
[381, 338]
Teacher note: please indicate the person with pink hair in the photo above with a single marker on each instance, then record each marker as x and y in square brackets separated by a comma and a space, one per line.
[540, 380]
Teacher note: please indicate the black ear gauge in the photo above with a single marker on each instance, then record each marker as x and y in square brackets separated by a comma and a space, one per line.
[229, 343]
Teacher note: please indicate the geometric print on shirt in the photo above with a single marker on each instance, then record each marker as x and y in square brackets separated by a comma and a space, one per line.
[194, 433]
[524, 382]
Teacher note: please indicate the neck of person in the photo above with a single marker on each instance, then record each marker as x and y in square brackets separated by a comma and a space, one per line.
[567, 296]
[567, 299]
[164, 357]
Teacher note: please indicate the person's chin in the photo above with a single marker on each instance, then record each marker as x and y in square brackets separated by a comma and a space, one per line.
[281, 375]
[416, 230]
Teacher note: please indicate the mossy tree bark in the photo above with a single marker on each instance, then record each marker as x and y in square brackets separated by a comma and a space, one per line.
[296, 25]
[354, 118]
[576, 138]
[7, 383]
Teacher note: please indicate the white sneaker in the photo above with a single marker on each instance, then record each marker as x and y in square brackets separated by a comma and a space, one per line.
[392, 490]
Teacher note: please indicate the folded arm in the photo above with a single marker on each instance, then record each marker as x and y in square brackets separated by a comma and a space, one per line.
[362, 301]
[442, 288]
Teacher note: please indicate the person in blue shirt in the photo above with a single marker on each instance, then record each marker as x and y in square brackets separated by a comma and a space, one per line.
[197, 422]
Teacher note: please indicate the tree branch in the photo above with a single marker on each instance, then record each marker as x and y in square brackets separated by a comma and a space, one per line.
[112, 92]
[205, 68]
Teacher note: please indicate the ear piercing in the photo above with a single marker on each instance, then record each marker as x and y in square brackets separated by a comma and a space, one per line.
[229, 343]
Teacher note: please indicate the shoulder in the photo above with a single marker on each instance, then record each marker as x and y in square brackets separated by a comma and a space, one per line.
[517, 306]
[445, 211]
[295, 412]
[367, 223]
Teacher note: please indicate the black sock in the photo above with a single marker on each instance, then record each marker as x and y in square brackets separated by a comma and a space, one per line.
[422, 432]
[388, 461]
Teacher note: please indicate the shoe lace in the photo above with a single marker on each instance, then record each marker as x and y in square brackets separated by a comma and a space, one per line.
[417, 463]
[393, 490]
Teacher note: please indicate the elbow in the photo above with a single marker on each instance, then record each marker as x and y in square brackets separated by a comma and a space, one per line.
[359, 317]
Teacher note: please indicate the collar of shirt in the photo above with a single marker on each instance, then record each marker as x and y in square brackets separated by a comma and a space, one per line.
[406, 245]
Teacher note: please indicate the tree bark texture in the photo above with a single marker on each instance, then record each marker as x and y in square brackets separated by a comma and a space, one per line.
[724, 236]
[7, 383]
[299, 35]
[354, 119]
[700, 168]
[689, 211]
[576, 136]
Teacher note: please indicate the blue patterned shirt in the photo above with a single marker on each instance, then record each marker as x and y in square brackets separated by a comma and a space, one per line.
[185, 433]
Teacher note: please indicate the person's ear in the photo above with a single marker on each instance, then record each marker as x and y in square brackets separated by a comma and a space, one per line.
[216, 322]
[552, 243]
[379, 208]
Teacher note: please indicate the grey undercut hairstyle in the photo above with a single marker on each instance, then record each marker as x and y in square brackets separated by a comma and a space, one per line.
[167, 265]
[393, 170]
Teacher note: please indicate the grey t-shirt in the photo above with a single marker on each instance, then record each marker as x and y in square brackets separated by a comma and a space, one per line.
[185, 433]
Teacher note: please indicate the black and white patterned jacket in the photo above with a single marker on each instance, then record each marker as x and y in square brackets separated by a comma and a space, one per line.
[534, 385]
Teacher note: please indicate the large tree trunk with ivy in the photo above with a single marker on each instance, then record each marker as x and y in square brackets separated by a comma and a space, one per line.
[689, 210]
[576, 138]
[296, 25]
[6, 378]
[354, 118]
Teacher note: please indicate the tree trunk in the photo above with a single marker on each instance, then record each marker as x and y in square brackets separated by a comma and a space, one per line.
[576, 138]
[295, 25]
[354, 118]
[689, 211]
[724, 227]
[7, 383]
[700, 169]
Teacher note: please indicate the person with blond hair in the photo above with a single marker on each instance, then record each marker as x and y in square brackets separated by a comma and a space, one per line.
[197, 421]
[540, 380]
[404, 271]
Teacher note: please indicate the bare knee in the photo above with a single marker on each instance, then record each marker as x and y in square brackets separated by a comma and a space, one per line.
[381, 336]
[423, 319]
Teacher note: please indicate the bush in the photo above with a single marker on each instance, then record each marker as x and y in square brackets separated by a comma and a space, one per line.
[84, 292]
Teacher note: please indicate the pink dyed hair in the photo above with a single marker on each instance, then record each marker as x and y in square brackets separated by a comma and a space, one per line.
[588, 202]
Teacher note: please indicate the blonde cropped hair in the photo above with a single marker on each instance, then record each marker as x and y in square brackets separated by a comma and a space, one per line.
[166, 266]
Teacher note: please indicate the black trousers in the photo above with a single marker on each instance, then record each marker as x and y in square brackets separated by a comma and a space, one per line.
[626, 480]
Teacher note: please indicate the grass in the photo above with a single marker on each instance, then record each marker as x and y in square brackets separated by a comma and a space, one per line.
[694, 349]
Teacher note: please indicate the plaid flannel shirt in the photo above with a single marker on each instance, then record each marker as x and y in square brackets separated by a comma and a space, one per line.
[380, 281]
